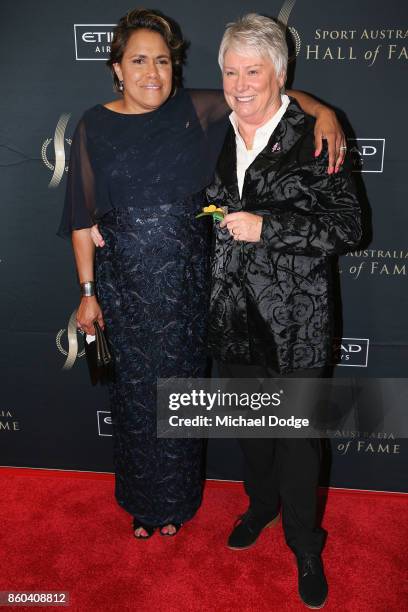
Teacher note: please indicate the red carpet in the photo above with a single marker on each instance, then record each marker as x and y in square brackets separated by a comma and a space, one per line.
[63, 531]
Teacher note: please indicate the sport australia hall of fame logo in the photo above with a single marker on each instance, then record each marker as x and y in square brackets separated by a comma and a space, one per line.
[93, 41]
[57, 163]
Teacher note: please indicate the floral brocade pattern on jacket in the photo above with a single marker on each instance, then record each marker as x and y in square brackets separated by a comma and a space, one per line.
[271, 301]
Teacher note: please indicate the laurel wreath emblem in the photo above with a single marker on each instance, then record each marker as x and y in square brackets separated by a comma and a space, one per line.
[44, 157]
[59, 139]
[61, 348]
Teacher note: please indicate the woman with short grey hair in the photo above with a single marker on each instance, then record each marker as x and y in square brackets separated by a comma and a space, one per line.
[271, 305]
[260, 34]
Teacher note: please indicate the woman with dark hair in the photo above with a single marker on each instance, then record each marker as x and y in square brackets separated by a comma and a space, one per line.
[138, 168]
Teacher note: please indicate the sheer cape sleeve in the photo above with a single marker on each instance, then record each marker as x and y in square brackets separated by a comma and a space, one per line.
[212, 112]
[80, 200]
[142, 160]
[210, 106]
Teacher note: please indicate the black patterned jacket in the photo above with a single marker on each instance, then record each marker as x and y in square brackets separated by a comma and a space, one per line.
[271, 301]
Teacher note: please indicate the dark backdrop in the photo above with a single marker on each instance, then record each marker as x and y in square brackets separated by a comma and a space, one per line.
[352, 55]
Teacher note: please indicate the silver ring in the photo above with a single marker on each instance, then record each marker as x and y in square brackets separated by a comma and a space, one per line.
[343, 148]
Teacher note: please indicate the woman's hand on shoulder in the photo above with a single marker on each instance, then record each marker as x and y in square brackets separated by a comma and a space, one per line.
[88, 312]
[328, 127]
[97, 236]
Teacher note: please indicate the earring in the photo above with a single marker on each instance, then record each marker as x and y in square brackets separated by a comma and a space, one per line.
[121, 88]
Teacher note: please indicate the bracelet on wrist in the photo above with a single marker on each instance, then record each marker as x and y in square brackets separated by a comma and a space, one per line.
[87, 289]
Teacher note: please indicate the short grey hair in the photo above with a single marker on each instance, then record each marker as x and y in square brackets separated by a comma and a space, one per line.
[263, 35]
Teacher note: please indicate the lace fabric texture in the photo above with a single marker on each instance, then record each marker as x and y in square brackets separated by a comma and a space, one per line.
[152, 283]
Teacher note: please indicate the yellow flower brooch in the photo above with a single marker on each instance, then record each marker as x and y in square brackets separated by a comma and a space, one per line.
[217, 213]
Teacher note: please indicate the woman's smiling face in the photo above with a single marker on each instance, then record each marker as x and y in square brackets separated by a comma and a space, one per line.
[146, 71]
[251, 87]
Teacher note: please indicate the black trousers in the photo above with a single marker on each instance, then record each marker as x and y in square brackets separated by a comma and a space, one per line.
[282, 472]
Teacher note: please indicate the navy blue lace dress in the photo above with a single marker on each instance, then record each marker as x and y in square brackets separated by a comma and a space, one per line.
[141, 177]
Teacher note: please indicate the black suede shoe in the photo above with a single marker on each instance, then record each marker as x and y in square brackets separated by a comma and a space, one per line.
[313, 587]
[247, 529]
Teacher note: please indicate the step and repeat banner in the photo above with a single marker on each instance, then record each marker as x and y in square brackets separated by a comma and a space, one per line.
[351, 55]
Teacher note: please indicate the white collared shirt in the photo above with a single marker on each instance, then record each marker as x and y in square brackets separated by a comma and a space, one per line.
[245, 157]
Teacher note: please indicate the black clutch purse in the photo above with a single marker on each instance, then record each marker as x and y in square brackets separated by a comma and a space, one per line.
[103, 356]
[98, 357]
